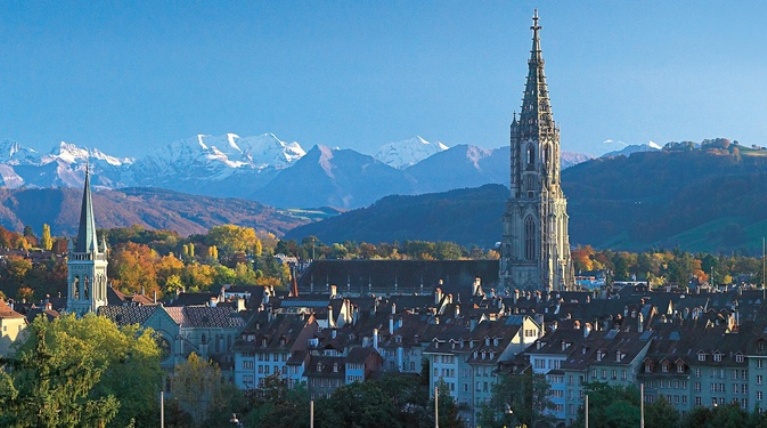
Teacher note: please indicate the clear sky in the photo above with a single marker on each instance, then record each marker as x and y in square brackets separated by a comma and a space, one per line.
[127, 76]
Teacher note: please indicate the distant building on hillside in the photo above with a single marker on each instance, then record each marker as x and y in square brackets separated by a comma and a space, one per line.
[535, 250]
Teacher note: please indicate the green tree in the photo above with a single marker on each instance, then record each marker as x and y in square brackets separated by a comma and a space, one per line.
[519, 398]
[53, 382]
[611, 406]
[199, 389]
[46, 242]
[661, 414]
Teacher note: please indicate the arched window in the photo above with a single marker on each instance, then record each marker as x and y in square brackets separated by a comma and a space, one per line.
[86, 287]
[547, 156]
[530, 156]
[76, 287]
[529, 238]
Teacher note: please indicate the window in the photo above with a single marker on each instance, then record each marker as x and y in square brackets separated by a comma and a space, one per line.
[698, 401]
[701, 356]
[530, 157]
[739, 358]
[529, 238]
[759, 363]
[680, 368]
[717, 357]
[697, 372]
[759, 395]
[758, 379]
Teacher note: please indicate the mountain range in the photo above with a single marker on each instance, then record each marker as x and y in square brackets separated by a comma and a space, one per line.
[697, 197]
[266, 169]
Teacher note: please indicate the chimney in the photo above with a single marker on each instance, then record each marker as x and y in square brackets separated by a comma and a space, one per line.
[375, 339]
[391, 324]
[640, 323]
[457, 310]
[437, 296]
[393, 308]
[331, 321]
[333, 333]
[333, 291]
[399, 322]
[155, 297]
[586, 329]
[213, 302]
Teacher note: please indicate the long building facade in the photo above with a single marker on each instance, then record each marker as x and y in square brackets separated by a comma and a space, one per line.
[535, 250]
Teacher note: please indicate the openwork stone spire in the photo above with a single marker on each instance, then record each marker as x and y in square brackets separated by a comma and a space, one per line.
[536, 116]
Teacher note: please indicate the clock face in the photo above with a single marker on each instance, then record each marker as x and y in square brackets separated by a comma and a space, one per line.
[164, 345]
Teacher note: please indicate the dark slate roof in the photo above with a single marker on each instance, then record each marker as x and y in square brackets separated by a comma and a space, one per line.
[127, 315]
[205, 316]
[410, 276]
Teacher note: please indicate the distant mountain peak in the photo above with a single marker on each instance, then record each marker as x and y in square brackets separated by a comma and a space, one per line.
[406, 153]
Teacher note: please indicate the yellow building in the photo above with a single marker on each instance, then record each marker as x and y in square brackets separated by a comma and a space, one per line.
[12, 324]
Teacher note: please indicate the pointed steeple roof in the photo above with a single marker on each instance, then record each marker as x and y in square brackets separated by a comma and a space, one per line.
[86, 235]
[536, 117]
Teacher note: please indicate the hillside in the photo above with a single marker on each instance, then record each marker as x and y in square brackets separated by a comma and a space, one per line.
[706, 199]
[151, 208]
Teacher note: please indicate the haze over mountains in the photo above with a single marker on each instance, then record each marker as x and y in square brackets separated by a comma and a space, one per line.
[710, 196]
[697, 197]
[266, 169]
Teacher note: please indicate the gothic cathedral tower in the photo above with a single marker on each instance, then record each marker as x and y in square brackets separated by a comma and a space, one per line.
[86, 263]
[535, 251]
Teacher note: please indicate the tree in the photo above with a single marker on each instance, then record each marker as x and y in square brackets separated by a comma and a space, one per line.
[661, 414]
[361, 404]
[276, 405]
[53, 382]
[132, 268]
[519, 398]
[611, 406]
[230, 238]
[198, 388]
[45, 240]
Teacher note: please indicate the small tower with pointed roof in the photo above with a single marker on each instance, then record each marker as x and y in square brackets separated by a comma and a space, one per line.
[535, 250]
[86, 262]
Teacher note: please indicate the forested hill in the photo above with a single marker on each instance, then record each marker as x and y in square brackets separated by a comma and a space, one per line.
[700, 199]
[150, 208]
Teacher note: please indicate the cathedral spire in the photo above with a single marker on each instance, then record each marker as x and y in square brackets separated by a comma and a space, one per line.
[536, 116]
[86, 235]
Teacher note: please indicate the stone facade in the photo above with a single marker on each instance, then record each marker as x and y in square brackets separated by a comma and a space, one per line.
[535, 250]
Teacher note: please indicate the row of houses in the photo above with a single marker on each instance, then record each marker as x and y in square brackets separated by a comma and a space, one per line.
[691, 349]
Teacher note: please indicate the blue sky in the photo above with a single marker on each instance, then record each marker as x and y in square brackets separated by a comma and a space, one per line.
[129, 76]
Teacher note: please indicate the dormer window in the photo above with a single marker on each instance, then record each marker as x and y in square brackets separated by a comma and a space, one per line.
[495, 341]
[648, 368]
[335, 367]
[398, 339]
[487, 341]
[665, 367]
[680, 368]
[319, 367]
[717, 357]
[739, 358]
[701, 356]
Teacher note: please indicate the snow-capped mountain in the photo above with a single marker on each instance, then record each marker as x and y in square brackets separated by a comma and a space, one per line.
[13, 153]
[405, 153]
[219, 156]
[568, 159]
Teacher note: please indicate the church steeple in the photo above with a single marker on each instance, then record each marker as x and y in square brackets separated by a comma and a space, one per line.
[536, 116]
[535, 250]
[86, 262]
[86, 234]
